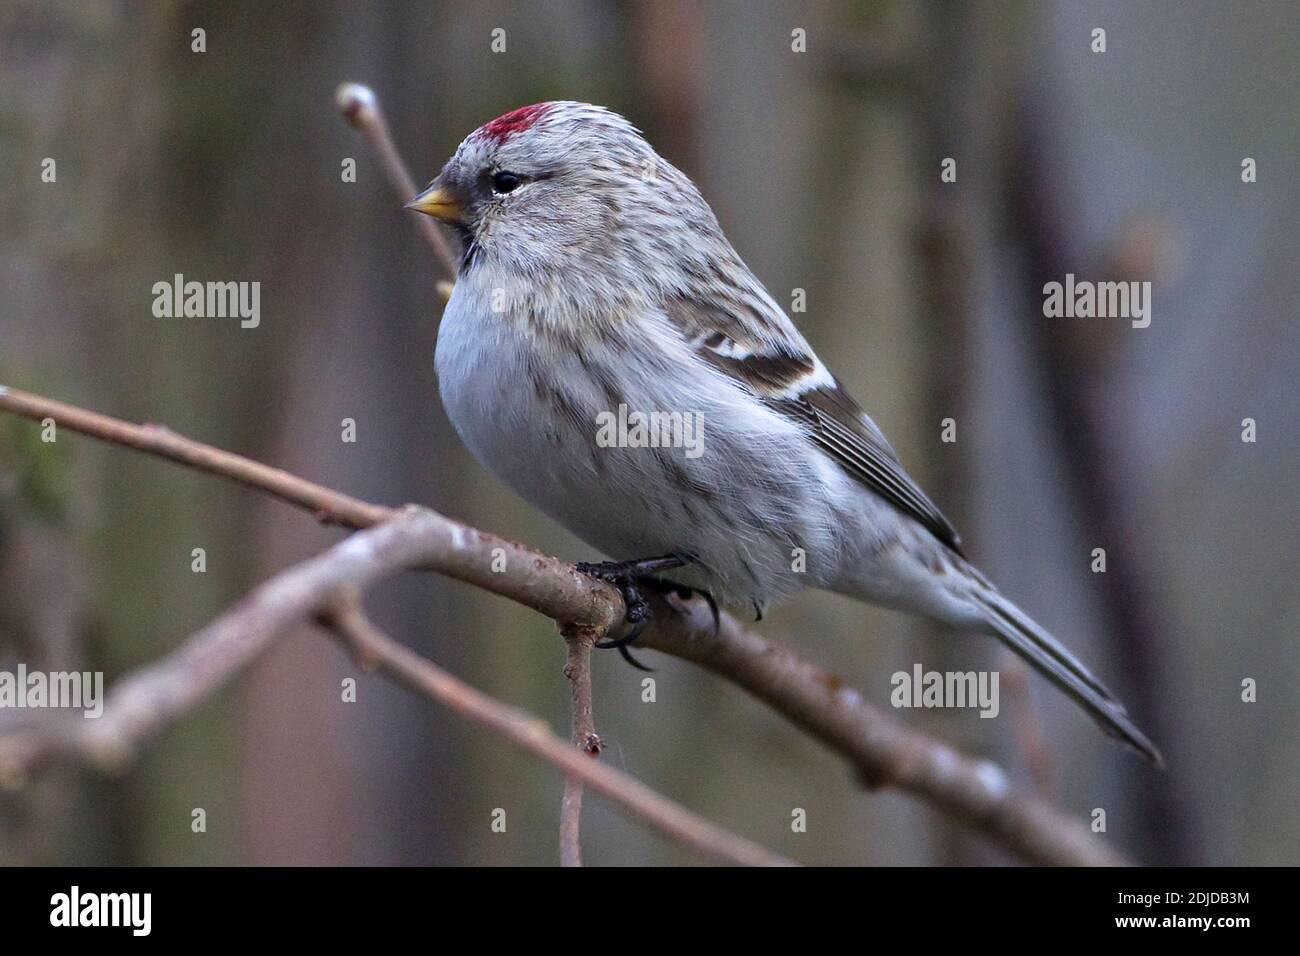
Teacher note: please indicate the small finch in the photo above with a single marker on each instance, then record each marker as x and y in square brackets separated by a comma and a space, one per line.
[595, 287]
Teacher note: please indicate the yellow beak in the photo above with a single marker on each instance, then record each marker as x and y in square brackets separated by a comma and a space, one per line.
[437, 203]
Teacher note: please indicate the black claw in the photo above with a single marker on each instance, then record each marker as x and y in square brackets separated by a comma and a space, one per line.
[626, 639]
[627, 656]
[627, 576]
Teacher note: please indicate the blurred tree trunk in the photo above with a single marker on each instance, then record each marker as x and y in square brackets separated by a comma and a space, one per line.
[67, 275]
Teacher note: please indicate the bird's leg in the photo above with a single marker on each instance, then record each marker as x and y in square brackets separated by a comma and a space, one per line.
[629, 577]
[615, 571]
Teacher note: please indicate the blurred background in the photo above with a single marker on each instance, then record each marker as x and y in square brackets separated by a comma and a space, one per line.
[926, 297]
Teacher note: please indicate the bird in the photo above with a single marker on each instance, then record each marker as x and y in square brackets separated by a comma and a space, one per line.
[607, 354]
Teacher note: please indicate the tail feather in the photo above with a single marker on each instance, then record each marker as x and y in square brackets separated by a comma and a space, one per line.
[1046, 655]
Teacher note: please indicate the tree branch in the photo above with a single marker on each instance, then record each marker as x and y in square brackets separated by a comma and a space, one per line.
[148, 701]
[582, 736]
[329, 506]
[884, 752]
[377, 650]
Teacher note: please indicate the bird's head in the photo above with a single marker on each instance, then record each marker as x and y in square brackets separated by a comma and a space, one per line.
[570, 193]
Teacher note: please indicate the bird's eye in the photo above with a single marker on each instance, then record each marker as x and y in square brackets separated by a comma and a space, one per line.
[504, 182]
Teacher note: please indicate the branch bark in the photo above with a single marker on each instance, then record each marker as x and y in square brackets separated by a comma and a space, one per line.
[884, 752]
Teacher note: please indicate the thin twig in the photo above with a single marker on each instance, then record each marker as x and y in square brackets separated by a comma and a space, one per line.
[470, 555]
[360, 107]
[329, 506]
[532, 734]
[882, 751]
[582, 735]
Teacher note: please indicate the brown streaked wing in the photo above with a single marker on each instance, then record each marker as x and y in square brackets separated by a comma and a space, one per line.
[727, 339]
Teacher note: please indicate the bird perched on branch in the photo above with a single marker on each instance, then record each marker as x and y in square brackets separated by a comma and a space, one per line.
[595, 284]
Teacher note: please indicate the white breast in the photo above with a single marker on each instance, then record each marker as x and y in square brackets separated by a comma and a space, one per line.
[528, 412]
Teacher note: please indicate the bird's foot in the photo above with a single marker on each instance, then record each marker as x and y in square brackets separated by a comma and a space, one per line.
[630, 577]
